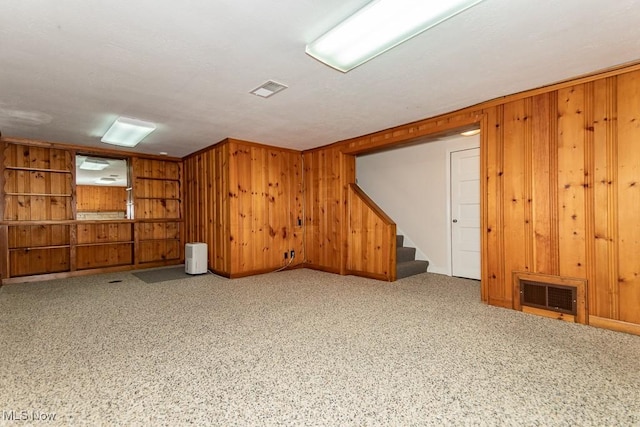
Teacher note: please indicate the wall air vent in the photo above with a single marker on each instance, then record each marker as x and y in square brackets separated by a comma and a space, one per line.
[269, 88]
[558, 298]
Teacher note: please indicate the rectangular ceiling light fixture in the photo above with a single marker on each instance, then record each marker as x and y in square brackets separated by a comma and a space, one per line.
[91, 164]
[128, 132]
[380, 26]
[105, 180]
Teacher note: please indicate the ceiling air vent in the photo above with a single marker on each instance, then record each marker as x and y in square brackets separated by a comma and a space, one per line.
[268, 88]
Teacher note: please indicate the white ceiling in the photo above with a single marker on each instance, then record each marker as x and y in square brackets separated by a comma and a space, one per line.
[68, 68]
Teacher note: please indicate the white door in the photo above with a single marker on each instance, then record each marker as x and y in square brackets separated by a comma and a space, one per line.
[465, 213]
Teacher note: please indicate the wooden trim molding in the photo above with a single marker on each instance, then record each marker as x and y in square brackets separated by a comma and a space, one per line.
[88, 150]
[614, 325]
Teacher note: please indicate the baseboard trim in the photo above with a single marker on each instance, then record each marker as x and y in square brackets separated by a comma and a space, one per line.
[614, 325]
[367, 275]
[321, 268]
[67, 274]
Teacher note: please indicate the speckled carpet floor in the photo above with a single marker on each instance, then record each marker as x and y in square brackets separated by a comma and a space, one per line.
[302, 348]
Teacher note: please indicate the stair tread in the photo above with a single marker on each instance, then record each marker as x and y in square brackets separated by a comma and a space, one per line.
[411, 268]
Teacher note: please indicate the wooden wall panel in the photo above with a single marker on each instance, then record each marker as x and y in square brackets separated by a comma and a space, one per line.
[34, 157]
[94, 198]
[28, 236]
[603, 289]
[207, 209]
[159, 169]
[27, 262]
[543, 181]
[244, 200]
[574, 209]
[324, 209]
[572, 123]
[104, 232]
[159, 230]
[493, 267]
[628, 196]
[158, 210]
[159, 250]
[514, 201]
[371, 238]
[157, 188]
[100, 256]
[37, 187]
[265, 186]
[37, 195]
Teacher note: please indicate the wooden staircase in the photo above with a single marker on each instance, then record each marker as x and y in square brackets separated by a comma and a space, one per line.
[406, 263]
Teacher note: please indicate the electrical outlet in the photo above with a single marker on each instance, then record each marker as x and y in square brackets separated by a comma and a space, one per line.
[286, 255]
[293, 254]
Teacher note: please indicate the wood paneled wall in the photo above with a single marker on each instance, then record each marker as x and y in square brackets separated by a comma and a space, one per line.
[371, 238]
[40, 237]
[561, 195]
[328, 172]
[37, 183]
[565, 198]
[244, 200]
[97, 198]
[207, 207]
[158, 210]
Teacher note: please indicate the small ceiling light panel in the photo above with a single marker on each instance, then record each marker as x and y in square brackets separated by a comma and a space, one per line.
[105, 180]
[128, 132]
[91, 164]
[470, 132]
[380, 26]
[268, 88]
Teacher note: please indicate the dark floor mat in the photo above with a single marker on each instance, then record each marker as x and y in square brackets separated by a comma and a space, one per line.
[163, 274]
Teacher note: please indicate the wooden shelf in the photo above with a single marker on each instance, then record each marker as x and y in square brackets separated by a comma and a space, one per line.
[157, 179]
[160, 240]
[38, 194]
[158, 198]
[147, 220]
[40, 248]
[37, 169]
[123, 242]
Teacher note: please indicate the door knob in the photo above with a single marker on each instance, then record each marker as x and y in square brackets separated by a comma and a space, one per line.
[455, 220]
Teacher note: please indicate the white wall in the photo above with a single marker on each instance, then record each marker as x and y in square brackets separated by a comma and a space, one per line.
[411, 185]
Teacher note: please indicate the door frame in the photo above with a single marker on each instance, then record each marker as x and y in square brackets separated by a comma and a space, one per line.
[469, 143]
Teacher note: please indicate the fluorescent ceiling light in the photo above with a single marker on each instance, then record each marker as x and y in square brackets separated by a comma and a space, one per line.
[128, 132]
[105, 180]
[380, 26]
[470, 132]
[91, 164]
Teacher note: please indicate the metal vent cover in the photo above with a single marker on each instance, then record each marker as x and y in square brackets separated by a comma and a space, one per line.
[268, 89]
[561, 299]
